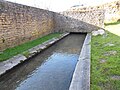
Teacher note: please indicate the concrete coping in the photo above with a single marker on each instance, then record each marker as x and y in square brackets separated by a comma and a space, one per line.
[81, 76]
[16, 60]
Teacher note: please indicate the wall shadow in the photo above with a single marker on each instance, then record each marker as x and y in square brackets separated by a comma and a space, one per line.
[68, 24]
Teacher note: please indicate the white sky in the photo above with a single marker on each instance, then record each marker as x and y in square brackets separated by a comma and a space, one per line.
[59, 5]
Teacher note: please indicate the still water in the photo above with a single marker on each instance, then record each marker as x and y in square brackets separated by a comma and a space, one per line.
[52, 69]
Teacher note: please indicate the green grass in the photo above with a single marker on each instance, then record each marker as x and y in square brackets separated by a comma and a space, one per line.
[10, 52]
[101, 73]
[112, 23]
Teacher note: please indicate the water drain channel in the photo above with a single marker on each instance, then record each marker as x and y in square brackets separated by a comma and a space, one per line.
[52, 69]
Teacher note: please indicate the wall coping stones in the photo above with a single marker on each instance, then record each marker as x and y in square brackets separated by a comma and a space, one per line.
[81, 76]
[16, 60]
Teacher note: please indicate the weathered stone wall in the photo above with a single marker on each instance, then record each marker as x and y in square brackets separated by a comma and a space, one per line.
[94, 17]
[79, 21]
[112, 10]
[20, 23]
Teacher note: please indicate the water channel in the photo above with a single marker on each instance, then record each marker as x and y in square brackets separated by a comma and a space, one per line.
[52, 69]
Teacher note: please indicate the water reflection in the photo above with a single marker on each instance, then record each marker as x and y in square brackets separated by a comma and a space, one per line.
[50, 70]
[58, 68]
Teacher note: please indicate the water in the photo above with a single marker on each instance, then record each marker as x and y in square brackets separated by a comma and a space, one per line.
[52, 69]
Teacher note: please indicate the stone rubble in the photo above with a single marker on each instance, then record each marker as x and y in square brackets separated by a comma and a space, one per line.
[115, 77]
[102, 60]
[109, 53]
[98, 32]
[109, 44]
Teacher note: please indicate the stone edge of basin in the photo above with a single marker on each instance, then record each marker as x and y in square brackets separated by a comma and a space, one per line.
[81, 75]
[16, 60]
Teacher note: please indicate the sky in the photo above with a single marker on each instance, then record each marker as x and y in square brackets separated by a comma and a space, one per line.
[59, 5]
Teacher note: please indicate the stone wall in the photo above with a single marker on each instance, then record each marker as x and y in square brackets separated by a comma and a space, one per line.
[20, 23]
[112, 10]
[75, 21]
[94, 17]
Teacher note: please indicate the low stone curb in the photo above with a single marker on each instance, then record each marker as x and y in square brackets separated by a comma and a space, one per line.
[81, 76]
[16, 60]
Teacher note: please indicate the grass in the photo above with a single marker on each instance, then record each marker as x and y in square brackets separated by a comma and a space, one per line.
[10, 52]
[102, 72]
[114, 28]
[112, 23]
